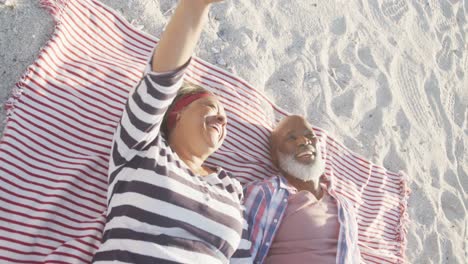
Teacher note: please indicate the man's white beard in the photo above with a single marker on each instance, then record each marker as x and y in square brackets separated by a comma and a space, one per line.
[303, 172]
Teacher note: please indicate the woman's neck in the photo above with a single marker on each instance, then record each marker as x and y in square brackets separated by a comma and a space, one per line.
[194, 162]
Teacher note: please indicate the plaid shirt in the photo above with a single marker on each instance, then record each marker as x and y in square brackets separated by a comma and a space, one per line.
[266, 203]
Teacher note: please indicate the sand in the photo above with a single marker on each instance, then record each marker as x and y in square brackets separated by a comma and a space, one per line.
[385, 77]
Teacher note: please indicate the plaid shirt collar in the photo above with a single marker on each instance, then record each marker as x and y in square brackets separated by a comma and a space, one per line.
[284, 184]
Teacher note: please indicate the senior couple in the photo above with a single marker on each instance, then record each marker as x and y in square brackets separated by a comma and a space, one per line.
[166, 206]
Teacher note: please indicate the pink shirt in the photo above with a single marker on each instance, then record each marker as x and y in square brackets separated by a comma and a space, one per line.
[308, 232]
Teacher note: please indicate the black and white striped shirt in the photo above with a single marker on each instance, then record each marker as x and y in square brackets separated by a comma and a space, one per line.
[158, 210]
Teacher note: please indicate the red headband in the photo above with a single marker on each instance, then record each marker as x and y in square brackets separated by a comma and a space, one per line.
[181, 104]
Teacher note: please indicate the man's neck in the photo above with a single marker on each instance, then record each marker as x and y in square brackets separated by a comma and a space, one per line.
[311, 186]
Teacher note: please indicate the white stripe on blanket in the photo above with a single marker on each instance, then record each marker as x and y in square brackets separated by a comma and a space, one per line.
[55, 149]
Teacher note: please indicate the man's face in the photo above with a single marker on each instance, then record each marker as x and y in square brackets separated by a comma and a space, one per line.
[295, 149]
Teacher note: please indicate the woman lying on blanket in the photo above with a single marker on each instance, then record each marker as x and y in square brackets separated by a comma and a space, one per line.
[163, 204]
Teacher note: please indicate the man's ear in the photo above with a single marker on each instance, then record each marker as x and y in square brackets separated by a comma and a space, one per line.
[274, 159]
[274, 156]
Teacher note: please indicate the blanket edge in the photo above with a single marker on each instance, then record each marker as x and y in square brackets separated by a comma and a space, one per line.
[55, 8]
[404, 219]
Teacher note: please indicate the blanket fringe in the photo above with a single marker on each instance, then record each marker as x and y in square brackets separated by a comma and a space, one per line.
[10, 104]
[55, 8]
[402, 228]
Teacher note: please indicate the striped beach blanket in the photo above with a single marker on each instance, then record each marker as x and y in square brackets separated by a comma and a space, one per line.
[61, 118]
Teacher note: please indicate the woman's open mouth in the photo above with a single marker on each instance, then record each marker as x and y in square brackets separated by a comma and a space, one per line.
[218, 129]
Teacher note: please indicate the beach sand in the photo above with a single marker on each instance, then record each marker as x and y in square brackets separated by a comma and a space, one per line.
[385, 77]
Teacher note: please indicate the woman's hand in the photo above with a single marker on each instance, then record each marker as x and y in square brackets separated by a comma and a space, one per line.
[203, 2]
[210, 1]
[181, 35]
[198, 4]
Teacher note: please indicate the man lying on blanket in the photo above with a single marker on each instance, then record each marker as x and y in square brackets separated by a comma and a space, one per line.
[293, 217]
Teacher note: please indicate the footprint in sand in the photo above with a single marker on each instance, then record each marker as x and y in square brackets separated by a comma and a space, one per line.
[421, 206]
[460, 154]
[370, 124]
[451, 178]
[314, 90]
[447, 19]
[452, 206]
[435, 176]
[431, 252]
[434, 93]
[422, 18]
[393, 161]
[446, 8]
[463, 176]
[460, 109]
[366, 57]
[343, 105]
[394, 9]
[383, 95]
[409, 86]
[414, 239]
[457, 107]
[444, 56]
[448, 254]
[339, 73]
[371, 121]
[338, 26]
[403, 125]
[359, 59]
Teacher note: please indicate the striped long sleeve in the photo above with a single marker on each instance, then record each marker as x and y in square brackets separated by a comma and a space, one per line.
[243, 254]
[159, 211]
[142, 117]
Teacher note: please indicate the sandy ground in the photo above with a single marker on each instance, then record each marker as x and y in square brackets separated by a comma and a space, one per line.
[386, 77]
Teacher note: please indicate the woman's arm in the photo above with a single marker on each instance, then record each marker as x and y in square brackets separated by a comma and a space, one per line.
[147, 103]
[242, 254]
[181, 35]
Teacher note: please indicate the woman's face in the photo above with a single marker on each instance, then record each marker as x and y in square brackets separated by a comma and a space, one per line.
[202, 125]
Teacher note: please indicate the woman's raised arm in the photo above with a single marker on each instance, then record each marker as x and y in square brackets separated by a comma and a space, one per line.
[181, 35]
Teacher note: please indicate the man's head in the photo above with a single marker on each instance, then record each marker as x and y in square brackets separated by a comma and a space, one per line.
[295, 149]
